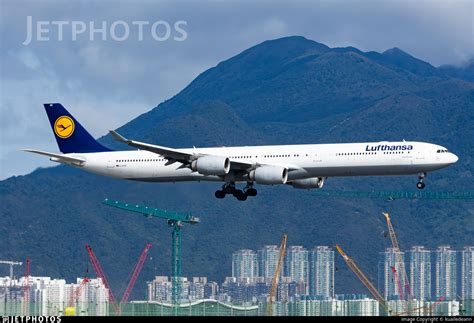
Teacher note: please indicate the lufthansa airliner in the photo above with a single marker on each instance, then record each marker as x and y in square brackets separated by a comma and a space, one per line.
[301, 166]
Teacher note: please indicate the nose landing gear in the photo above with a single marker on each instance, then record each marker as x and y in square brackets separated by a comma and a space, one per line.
[421, 185]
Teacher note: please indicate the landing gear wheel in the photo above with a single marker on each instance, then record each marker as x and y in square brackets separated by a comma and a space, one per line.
[220, 194]
[251, 192]
[421, 185]
[241, 196]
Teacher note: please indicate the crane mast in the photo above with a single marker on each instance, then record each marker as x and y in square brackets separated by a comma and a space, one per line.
[136, 272]
[70, 310]
[353, 266]
[175, 221]
[398, 283]
[26, 288]
[276, 276]
[100, 273]
[399, 259]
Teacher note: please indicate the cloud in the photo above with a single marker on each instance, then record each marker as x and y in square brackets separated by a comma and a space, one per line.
[107, 83]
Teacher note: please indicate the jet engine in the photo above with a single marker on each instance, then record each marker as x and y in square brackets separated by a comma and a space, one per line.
[307, 183]
[211, 165]
[269, 175]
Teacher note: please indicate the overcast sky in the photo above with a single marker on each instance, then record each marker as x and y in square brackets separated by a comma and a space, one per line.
[106, 83]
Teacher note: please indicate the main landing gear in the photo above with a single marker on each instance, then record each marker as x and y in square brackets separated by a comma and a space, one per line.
[241, 195]
[421, 185]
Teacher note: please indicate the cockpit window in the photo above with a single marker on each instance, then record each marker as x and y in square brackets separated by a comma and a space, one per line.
[439, 151]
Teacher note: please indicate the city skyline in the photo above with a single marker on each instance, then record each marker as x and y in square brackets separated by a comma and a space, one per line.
[308, 279]
[310, 272]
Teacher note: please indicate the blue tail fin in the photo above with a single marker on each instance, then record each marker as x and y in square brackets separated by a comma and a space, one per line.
[70, 135]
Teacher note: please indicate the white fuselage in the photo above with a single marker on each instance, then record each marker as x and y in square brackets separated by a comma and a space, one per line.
[302, 161]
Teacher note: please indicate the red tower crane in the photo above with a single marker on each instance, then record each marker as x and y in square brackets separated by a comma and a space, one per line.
[398, 283]
[77, 293]
[100, 273]
[399, 259]
[136, 272]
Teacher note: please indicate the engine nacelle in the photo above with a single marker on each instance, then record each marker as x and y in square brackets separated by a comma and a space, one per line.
[211, 165]
[269, 175]
[307, 183]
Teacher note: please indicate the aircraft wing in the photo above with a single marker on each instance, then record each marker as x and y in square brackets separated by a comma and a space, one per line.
[177, 155]
[58, 157]
[169, 153]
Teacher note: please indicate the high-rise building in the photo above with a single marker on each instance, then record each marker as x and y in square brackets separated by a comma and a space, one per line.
[467, 273]
[446, 273]
[196, 288]
[296, 267]
[160, 289]
[267, 261]
[389, 259]
[244, 264]
[321, 272]
[211, 290]
[46, 296]
[238, 291]
[51, 296]
[420, 273]
[94, 298]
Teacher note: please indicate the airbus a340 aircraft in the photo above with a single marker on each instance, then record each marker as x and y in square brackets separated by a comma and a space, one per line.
[301, 166]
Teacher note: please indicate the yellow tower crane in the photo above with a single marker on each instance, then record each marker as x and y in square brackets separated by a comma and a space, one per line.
[353, 266]
[276, 276]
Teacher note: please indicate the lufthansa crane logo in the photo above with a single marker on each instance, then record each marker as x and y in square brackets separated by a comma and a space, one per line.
[64, 127]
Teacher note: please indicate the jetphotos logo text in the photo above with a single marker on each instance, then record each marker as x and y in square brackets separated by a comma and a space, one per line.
[119, 30]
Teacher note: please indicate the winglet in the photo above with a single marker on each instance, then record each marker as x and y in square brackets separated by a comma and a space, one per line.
[119, 137]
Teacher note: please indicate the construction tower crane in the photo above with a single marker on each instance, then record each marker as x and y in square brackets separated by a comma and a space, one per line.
[11, 263]
[175, 221]
[100, 273]
[136, 273]
[75, 294]
[399, 260]
[353, 266]
[398, 283]
[276, 276]
[26, 288]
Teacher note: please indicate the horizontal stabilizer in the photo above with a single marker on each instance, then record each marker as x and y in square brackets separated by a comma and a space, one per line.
[58, 157]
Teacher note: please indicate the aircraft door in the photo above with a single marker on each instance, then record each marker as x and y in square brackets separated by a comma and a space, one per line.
[317, 158]
[111, 163]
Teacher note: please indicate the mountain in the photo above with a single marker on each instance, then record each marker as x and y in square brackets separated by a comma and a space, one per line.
[465, 71]
[288, 90]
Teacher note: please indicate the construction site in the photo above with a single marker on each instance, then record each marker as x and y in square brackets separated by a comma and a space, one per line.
[401, 295]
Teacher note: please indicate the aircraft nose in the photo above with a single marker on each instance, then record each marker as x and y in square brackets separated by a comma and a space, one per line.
[453, 158]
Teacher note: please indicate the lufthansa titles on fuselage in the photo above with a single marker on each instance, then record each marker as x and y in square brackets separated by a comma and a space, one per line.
[388, 147]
